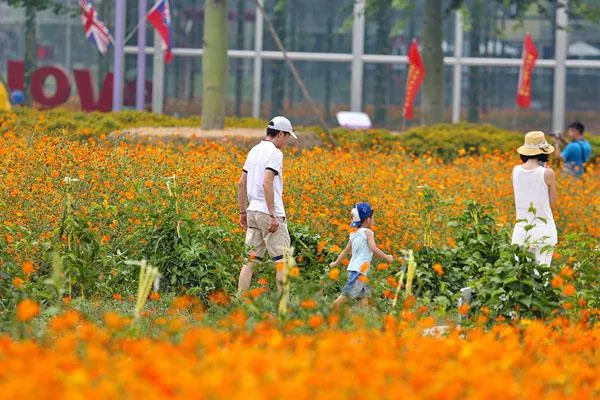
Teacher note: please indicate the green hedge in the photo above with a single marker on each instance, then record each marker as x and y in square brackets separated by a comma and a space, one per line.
[446, 141]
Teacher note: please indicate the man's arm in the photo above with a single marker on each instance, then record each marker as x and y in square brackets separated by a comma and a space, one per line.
[243, 198]
[550, 180]
[270, 198]
[565, 153]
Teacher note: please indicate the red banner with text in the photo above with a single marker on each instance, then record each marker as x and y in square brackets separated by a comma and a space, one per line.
[530, 56]
[416, 73]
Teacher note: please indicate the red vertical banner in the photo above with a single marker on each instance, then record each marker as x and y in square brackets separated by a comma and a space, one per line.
[530, 56]
[416, 73]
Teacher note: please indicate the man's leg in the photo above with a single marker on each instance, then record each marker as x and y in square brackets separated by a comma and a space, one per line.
[256, 246]
[245, 276]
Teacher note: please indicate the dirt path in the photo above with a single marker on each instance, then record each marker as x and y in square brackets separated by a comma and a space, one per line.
[244, 137]
[193, 132]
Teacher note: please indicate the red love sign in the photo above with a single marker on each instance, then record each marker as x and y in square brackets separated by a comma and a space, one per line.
[83, 82]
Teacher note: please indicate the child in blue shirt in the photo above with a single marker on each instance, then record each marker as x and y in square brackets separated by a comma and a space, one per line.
[362, 246]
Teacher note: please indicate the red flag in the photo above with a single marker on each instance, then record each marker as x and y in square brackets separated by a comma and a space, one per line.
[416, 73]
[159, 17]
[530, 55]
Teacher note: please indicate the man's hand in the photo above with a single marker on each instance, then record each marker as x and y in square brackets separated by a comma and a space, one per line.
[273, 224]
[244, 221]
[389, 258]
[333, 264]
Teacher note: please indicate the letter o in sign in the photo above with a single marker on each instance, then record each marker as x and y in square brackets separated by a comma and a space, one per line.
[63, 87]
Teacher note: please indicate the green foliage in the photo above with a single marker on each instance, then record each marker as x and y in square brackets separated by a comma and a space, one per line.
[190, 256]
[504, 277]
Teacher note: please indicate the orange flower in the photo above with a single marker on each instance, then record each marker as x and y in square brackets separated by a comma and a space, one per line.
[117, 296]
[382, 267]
[27, 309]
[567, 272]
[364, 267]
[295, 272]
[335, 249]
[279, 266]
[27, 267]
[320, 246]
[333, 320]
[363, 278]
[437, 267]
[315, 321]
[409, 302]
[263, 281]
[569, 290]
[114, 321]
[219, 297]
[18, 282]
[308, 304]
[257, 292]
[391, 281]
[557, 281]
[154, 296]
[464, 309]
[334, 274]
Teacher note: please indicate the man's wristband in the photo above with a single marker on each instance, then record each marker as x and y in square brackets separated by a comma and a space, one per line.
[243, 213]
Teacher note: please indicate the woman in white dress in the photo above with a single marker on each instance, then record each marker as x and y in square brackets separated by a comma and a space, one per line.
[534, 186]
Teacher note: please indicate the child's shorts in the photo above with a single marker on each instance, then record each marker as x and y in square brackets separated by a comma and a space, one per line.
[355, 288]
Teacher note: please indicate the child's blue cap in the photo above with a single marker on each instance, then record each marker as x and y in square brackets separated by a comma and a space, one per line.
[360, 212]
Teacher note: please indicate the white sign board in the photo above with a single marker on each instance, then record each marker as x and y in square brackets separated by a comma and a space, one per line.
[353, 120]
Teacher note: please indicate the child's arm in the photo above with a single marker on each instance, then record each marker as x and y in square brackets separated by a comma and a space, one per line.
[375, 249]
[343, 254]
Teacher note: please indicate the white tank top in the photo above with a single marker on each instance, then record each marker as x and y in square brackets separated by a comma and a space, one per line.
[531, 189]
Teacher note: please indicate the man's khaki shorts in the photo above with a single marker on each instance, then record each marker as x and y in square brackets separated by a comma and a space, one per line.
[259, 239]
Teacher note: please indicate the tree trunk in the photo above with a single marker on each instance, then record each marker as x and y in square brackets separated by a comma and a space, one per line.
[239, 70]
[382, 71]
[278, 67]
[433, 60]
[30, 49]
[474, 77]
[214, 64]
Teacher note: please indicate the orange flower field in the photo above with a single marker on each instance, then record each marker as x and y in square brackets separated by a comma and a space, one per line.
[80, 210]
[529, 360]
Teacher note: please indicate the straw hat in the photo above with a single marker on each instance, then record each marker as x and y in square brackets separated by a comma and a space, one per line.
[535, 143]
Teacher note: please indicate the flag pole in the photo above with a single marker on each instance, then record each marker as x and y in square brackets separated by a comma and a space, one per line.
[119, 61]
[140, 84]
[141, 22]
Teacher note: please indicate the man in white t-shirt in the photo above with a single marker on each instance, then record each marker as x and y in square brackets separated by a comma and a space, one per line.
[261, 184]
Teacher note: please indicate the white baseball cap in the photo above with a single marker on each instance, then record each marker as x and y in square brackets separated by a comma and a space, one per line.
[282, 124]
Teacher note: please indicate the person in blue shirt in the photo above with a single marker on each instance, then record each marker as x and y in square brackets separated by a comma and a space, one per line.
[576, 153]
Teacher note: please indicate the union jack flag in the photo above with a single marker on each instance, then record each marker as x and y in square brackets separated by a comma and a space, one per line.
[160, 18]
[95, 30]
